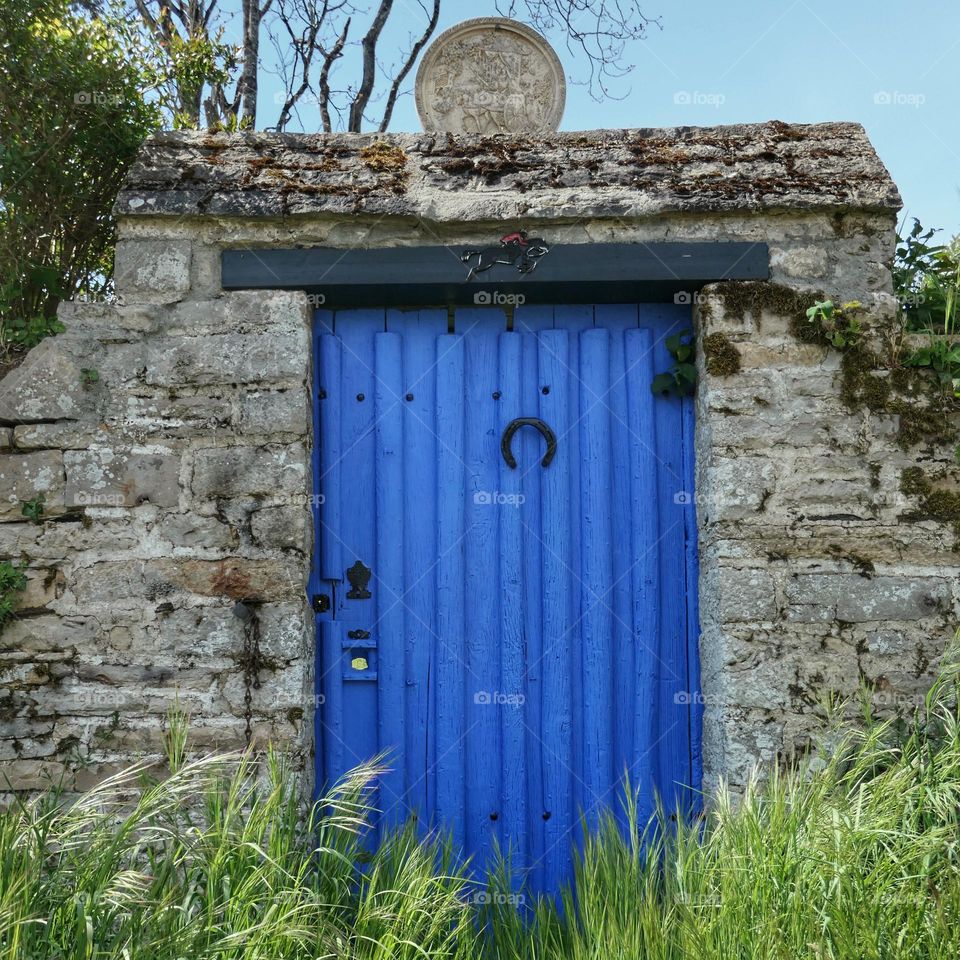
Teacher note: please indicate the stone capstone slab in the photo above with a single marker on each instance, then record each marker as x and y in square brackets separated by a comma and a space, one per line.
[639, 172]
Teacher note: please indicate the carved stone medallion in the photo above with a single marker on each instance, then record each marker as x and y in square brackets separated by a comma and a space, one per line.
[490, 75]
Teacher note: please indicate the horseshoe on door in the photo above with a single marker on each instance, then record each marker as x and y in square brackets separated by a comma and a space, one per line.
[514, 426]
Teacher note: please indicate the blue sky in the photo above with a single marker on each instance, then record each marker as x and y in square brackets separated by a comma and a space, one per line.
[891, 66]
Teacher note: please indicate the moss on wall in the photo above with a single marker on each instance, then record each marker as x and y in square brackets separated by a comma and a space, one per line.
[721, 357]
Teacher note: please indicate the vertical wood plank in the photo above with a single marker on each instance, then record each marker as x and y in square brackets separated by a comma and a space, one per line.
[322, 324]
[390, 595]
[512, 707]
[597, 665]
[330, 684]
[530, 320]
[451, 650]
[419, 331]
[672, 735]
[574, 318]
[356, 330]
[645, 572]
[619, 318]
[556, 408]
[482, 592]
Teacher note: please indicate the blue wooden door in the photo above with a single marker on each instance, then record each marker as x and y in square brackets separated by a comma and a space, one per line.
[516, 638]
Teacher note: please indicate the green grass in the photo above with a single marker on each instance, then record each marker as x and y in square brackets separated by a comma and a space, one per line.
[220, 859]
[854, 855]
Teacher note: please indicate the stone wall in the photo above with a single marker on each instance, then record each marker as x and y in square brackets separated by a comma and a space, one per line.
[176, 481]
[821, 570]
[176, 485]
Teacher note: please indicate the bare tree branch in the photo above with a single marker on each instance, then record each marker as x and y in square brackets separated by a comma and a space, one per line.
[408, 66]
[369, 45]
[597, 29]
[336, 51]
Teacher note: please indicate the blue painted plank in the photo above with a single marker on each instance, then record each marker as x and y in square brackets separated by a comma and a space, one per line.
[451, 651]
[330, 685]
[574, 318]
[619, 318]
[419, 330]
[597, 664]
[357, 535]
[532, 319]
[673, 733]
[482, 593]
[645, 569]
[322, 323]
[530, 452]
[512, 666]
[559, 586]
[390, 594]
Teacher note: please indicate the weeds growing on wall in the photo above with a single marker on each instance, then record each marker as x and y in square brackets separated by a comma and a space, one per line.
[853, 855]
[13, 581]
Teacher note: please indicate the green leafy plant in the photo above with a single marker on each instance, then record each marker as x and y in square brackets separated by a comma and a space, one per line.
[941, 354]
[925, 278]
[73, 111]
[13, 581]
[33, 509]
[89, 376]
[681, 379]
[839, 324]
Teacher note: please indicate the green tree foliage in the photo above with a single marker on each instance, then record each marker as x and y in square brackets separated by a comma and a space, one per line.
[72, 115]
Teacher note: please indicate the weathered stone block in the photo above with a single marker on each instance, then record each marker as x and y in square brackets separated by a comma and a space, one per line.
[282, 528]
[48, 384]
[859, 599]
[215, 635]
[283, 411]
[196, 532]
[807, 262]
[237, 578]
[32, 774]
[267, 471]
[736, 489]
[109, 477]
[227, 358]
[24, 477]
[152, 271]
[746, 595]
[66, 435]
[43, 587]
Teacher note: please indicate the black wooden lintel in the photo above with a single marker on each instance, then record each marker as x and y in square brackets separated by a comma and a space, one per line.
[424, 276]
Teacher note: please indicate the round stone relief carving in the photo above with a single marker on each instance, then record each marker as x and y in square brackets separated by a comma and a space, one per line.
[490, 75]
